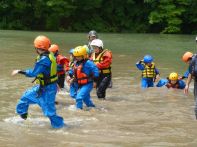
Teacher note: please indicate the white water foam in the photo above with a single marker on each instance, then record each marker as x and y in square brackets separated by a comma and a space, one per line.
[30, 121]
[63, 91]
[72, 108]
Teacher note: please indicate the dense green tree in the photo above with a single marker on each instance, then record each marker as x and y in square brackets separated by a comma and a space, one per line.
[126, 16]
[167, 13]
[110, 16]
[189, 18]
[59, 15]
[158, 16]
[15, 13]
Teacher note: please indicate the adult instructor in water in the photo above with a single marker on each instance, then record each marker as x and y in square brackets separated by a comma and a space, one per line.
[192, 75]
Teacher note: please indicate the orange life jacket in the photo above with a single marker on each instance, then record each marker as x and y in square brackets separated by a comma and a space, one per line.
[61, 67]
[81, 77]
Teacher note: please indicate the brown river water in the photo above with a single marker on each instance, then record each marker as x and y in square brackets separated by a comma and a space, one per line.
[131, 117]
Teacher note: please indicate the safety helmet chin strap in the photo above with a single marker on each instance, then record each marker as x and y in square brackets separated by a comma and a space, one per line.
[40, 51]
[100, 49]
[56, 53]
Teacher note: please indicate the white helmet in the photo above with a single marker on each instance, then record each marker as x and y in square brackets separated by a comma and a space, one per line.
[97, 42]
[196, 38]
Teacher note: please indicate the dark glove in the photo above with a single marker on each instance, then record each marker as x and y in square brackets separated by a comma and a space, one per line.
[181, 77]
[95, 79]
[22, 72]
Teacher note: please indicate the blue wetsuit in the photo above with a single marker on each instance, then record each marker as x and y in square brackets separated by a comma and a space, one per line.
[44, 96]
[165, 82]
[146, 81]
[81, 93]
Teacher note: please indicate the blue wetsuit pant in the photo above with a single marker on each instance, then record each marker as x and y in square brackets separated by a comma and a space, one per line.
[45, 99]
[73, 89]
[147, 82]
[83, 95]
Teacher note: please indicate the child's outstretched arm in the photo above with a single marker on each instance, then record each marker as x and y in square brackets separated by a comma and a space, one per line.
[140, 65]
[157, 77]
[186, 74]
[162, 82]
[181, 84]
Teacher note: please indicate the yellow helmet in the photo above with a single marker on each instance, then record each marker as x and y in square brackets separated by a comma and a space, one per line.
[173, 76]
[80, 51]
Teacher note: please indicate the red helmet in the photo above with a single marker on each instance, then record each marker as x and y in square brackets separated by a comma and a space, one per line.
[54, 48]
[42, 42]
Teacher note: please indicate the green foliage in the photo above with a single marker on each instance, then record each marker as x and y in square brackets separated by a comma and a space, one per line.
[168, 12]
[165, 16]
[190, 18]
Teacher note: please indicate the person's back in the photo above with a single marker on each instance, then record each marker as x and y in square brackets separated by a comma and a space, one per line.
[189, 79]
[187, 57]
[44, 92]
[62, 64]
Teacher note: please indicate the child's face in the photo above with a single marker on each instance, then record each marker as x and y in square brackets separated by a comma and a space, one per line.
[148, 64]
[92, 38]
[79, 58]
[173, 81]
[71, 56]
[96, 49]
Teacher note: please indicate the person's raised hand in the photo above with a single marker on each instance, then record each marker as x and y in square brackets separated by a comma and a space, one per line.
[14, 72]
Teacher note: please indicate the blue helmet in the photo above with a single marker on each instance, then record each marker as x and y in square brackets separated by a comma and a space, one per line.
[71, 51]
[148, 59]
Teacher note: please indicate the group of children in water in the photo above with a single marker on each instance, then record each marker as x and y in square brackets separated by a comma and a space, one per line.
[89, 67]
[150, 74]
